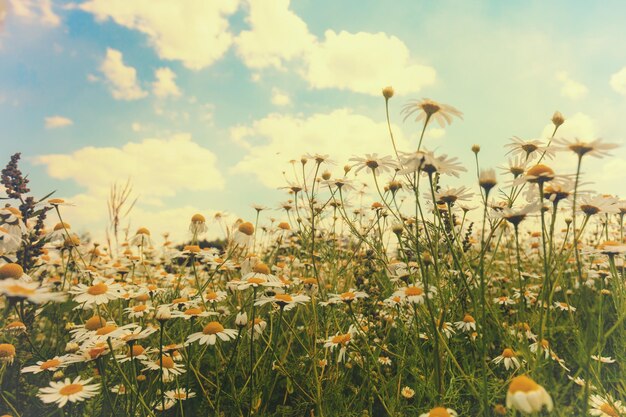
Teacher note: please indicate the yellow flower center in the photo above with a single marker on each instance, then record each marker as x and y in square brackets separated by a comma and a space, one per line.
[71, 389]
[261, 268]
[52, 363]
[7, 350]
[211, 295]
[608, 410]
[413, 291]
[140, 308]
[18, 290]
[341, 339]
[98, 289]
[193, 311]
[468, 319]
[137, 350]
[213, 328]
[348, 295]
[95, 323]
[508, 353]
[522, 383]
[166, 362]
[256, 280]
[246, 228]
[285, 298]
[198, 218]
[438, 412]
[11, 271]
[106, 329]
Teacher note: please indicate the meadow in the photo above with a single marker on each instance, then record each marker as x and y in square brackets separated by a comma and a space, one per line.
[407, 297]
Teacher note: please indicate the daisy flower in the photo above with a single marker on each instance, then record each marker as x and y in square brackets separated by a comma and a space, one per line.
[407, 392]
[192, 313]
[7, 353]
[528, 149]
[605, 406]
[138, 311]
[51, 365]
[170, 367]
[97, 294]
[141, 238]
[198, 225]
[29, 291]
[564, 306]
[527, 396]
[375, 164]
[243, 235]
[468, 323]
[346, 297]
[598, 204]
[179, 394]
[15, 271]
[341, 340]
[596, 148]
[440, 412]
[214, 296]
[504, 301]
[135, 351]
[257, 328]
[210, 333]
[543, 346]
[68, 390]
[427, 109]
[509, 358]
[284, 301]
[603, 359]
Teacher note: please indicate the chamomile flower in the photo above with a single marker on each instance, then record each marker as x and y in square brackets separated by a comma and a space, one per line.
[605, 406]
[138, 311]
[347, 297]
[427, 109]
[29, 291]
[7, 353]
[341, 341]
[509, 358]
[179, 394]
[210, 333]
[596, 148]
[73, 391]
[51, 365]
[468, 324]
[374, 163]
[440, 412]
[527, 396]
[284, 301]
[170, 367]
[100, 292]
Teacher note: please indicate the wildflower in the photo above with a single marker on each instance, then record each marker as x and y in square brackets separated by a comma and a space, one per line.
[542, 346]
[537, 174]
[407, 392]
[179, 394]
[138, 311]
[504, 301]
[388, 92]
[12, 270]
[135, 351]
[99, 293]
[257, 328]
[487, 179]
[15, 328]
[68, 390]
[341, 340]
[141, 238]
[385, 361]
[527, 396]
[509, 358]
[564, 306]
[451, 195]
[605, 406]
[527, 149]
[427, 109]
[210, 333]
[468, 323]
[192, 313]
[284, 301]
[603, 359]
[595, 148]
[29, 291]
[241, 320]
[243, 235]
[7, 353]
[170, 368]
[374, 163]
[198, 224]
[346, 297]
[557, 119]
[598, 204]
[163, 313]
[440, 412]
[51, 365]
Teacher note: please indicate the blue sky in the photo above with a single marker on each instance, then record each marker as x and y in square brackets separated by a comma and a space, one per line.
[245, 86]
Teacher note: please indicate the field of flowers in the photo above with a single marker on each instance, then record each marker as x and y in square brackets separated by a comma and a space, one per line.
[505, 298]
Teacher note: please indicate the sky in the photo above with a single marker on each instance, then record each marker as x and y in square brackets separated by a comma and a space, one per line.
[202, 104]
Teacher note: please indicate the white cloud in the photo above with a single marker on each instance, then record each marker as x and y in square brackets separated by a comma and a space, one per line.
[54, 122]
[365, 62]
[136, 127]
[276, 35]
[195, 32]
[39, 11]
[165, 84]
[435, 132]
[280, 98]
[361, 62]
[157, 167]
[272, 141]
[570, 88]
[618, 81]
[122, 79]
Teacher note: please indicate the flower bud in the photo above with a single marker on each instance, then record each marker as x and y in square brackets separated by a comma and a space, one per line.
[163, 314]
[241, 319]
[558, 119]
[388, 92]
